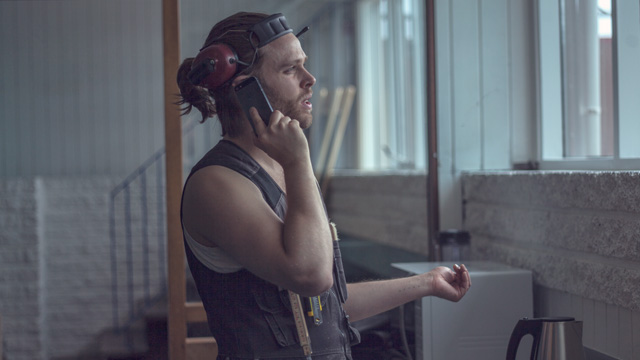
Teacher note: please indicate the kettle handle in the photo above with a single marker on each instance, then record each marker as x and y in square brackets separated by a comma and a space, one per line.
[524, 327]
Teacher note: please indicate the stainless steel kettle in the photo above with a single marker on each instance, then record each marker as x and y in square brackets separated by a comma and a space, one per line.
[558, 338]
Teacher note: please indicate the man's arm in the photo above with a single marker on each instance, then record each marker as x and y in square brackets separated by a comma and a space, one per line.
[374, 297]
[223, 208]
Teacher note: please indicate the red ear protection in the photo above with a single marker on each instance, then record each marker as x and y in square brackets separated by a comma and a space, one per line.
[213, 66]
[218, 63]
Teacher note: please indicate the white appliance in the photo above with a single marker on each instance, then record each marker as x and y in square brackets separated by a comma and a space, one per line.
[477, 327]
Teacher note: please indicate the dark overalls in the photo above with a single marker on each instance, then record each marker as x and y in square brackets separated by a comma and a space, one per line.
[251, 318]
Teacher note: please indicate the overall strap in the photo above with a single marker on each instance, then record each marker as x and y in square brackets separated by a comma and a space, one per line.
[230, 155]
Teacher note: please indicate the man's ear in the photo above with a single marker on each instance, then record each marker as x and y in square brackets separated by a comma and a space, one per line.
[238, 80]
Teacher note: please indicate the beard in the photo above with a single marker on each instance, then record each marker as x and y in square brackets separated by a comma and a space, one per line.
[289, 107]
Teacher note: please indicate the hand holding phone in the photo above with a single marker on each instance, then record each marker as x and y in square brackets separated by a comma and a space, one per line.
[250, 94]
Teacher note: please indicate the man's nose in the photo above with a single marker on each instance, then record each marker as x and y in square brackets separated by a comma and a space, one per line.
[309, 80]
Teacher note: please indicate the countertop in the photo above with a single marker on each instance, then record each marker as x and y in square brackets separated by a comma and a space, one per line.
[368, 260]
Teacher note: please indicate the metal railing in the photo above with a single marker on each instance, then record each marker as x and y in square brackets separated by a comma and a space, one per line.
[137, 229]
[140, 178]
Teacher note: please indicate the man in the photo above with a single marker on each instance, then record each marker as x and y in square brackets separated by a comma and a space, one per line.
[254, 221]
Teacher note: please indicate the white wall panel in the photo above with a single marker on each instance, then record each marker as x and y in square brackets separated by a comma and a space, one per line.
[465, 60]
[485, 89]
[494, 84]
[82, 86]
[8, 78]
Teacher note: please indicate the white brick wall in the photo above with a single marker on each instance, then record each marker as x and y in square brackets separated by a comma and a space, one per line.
[78, 284]
[55, 263]
[20, 272]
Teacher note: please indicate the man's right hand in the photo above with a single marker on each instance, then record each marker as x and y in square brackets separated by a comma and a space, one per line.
[283, 140]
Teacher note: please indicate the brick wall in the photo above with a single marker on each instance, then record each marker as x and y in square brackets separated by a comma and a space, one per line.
[20, 270]
[77, 242]
[56, 284]
[579, 232]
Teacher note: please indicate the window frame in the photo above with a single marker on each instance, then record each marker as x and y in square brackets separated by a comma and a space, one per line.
[626, 23]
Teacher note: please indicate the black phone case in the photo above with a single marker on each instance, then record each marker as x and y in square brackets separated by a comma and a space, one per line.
[250, 93]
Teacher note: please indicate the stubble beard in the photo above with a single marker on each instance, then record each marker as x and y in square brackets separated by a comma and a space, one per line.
[290, 108]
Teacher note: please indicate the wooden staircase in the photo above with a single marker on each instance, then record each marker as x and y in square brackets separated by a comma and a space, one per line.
[147, 338]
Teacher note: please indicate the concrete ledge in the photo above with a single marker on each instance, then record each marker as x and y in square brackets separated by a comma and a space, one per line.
[613, 235]
[600, 279]
[389, 209]
[577, 231]
[596, 190]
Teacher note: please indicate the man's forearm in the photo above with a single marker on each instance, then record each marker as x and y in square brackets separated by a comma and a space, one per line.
[371, 298]
[374, 297]
[307, 235]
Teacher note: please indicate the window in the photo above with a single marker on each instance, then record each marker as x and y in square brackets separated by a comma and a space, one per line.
[589, 85]
[391, 84]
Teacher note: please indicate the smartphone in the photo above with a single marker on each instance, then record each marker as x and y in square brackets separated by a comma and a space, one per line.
[250, 93]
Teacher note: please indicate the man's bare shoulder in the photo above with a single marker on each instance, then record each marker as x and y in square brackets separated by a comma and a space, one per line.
[217, 184]
[215, 198]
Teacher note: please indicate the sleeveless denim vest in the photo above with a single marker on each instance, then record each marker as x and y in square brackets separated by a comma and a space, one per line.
[251, 318]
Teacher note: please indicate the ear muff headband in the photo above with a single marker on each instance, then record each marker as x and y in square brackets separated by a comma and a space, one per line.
[270, 29]
[218, 63]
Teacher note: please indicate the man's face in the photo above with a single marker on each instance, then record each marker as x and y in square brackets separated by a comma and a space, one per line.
[286, 81]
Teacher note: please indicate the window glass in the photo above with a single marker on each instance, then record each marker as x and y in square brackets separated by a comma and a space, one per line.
[391, 84]
[586, 80]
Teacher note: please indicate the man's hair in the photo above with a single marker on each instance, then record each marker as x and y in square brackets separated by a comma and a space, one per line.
[234, 32]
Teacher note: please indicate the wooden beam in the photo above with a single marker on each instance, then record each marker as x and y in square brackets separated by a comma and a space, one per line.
[195, 312]
[328, 132]
[433, 203]
[177, 327]
[347, 102]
